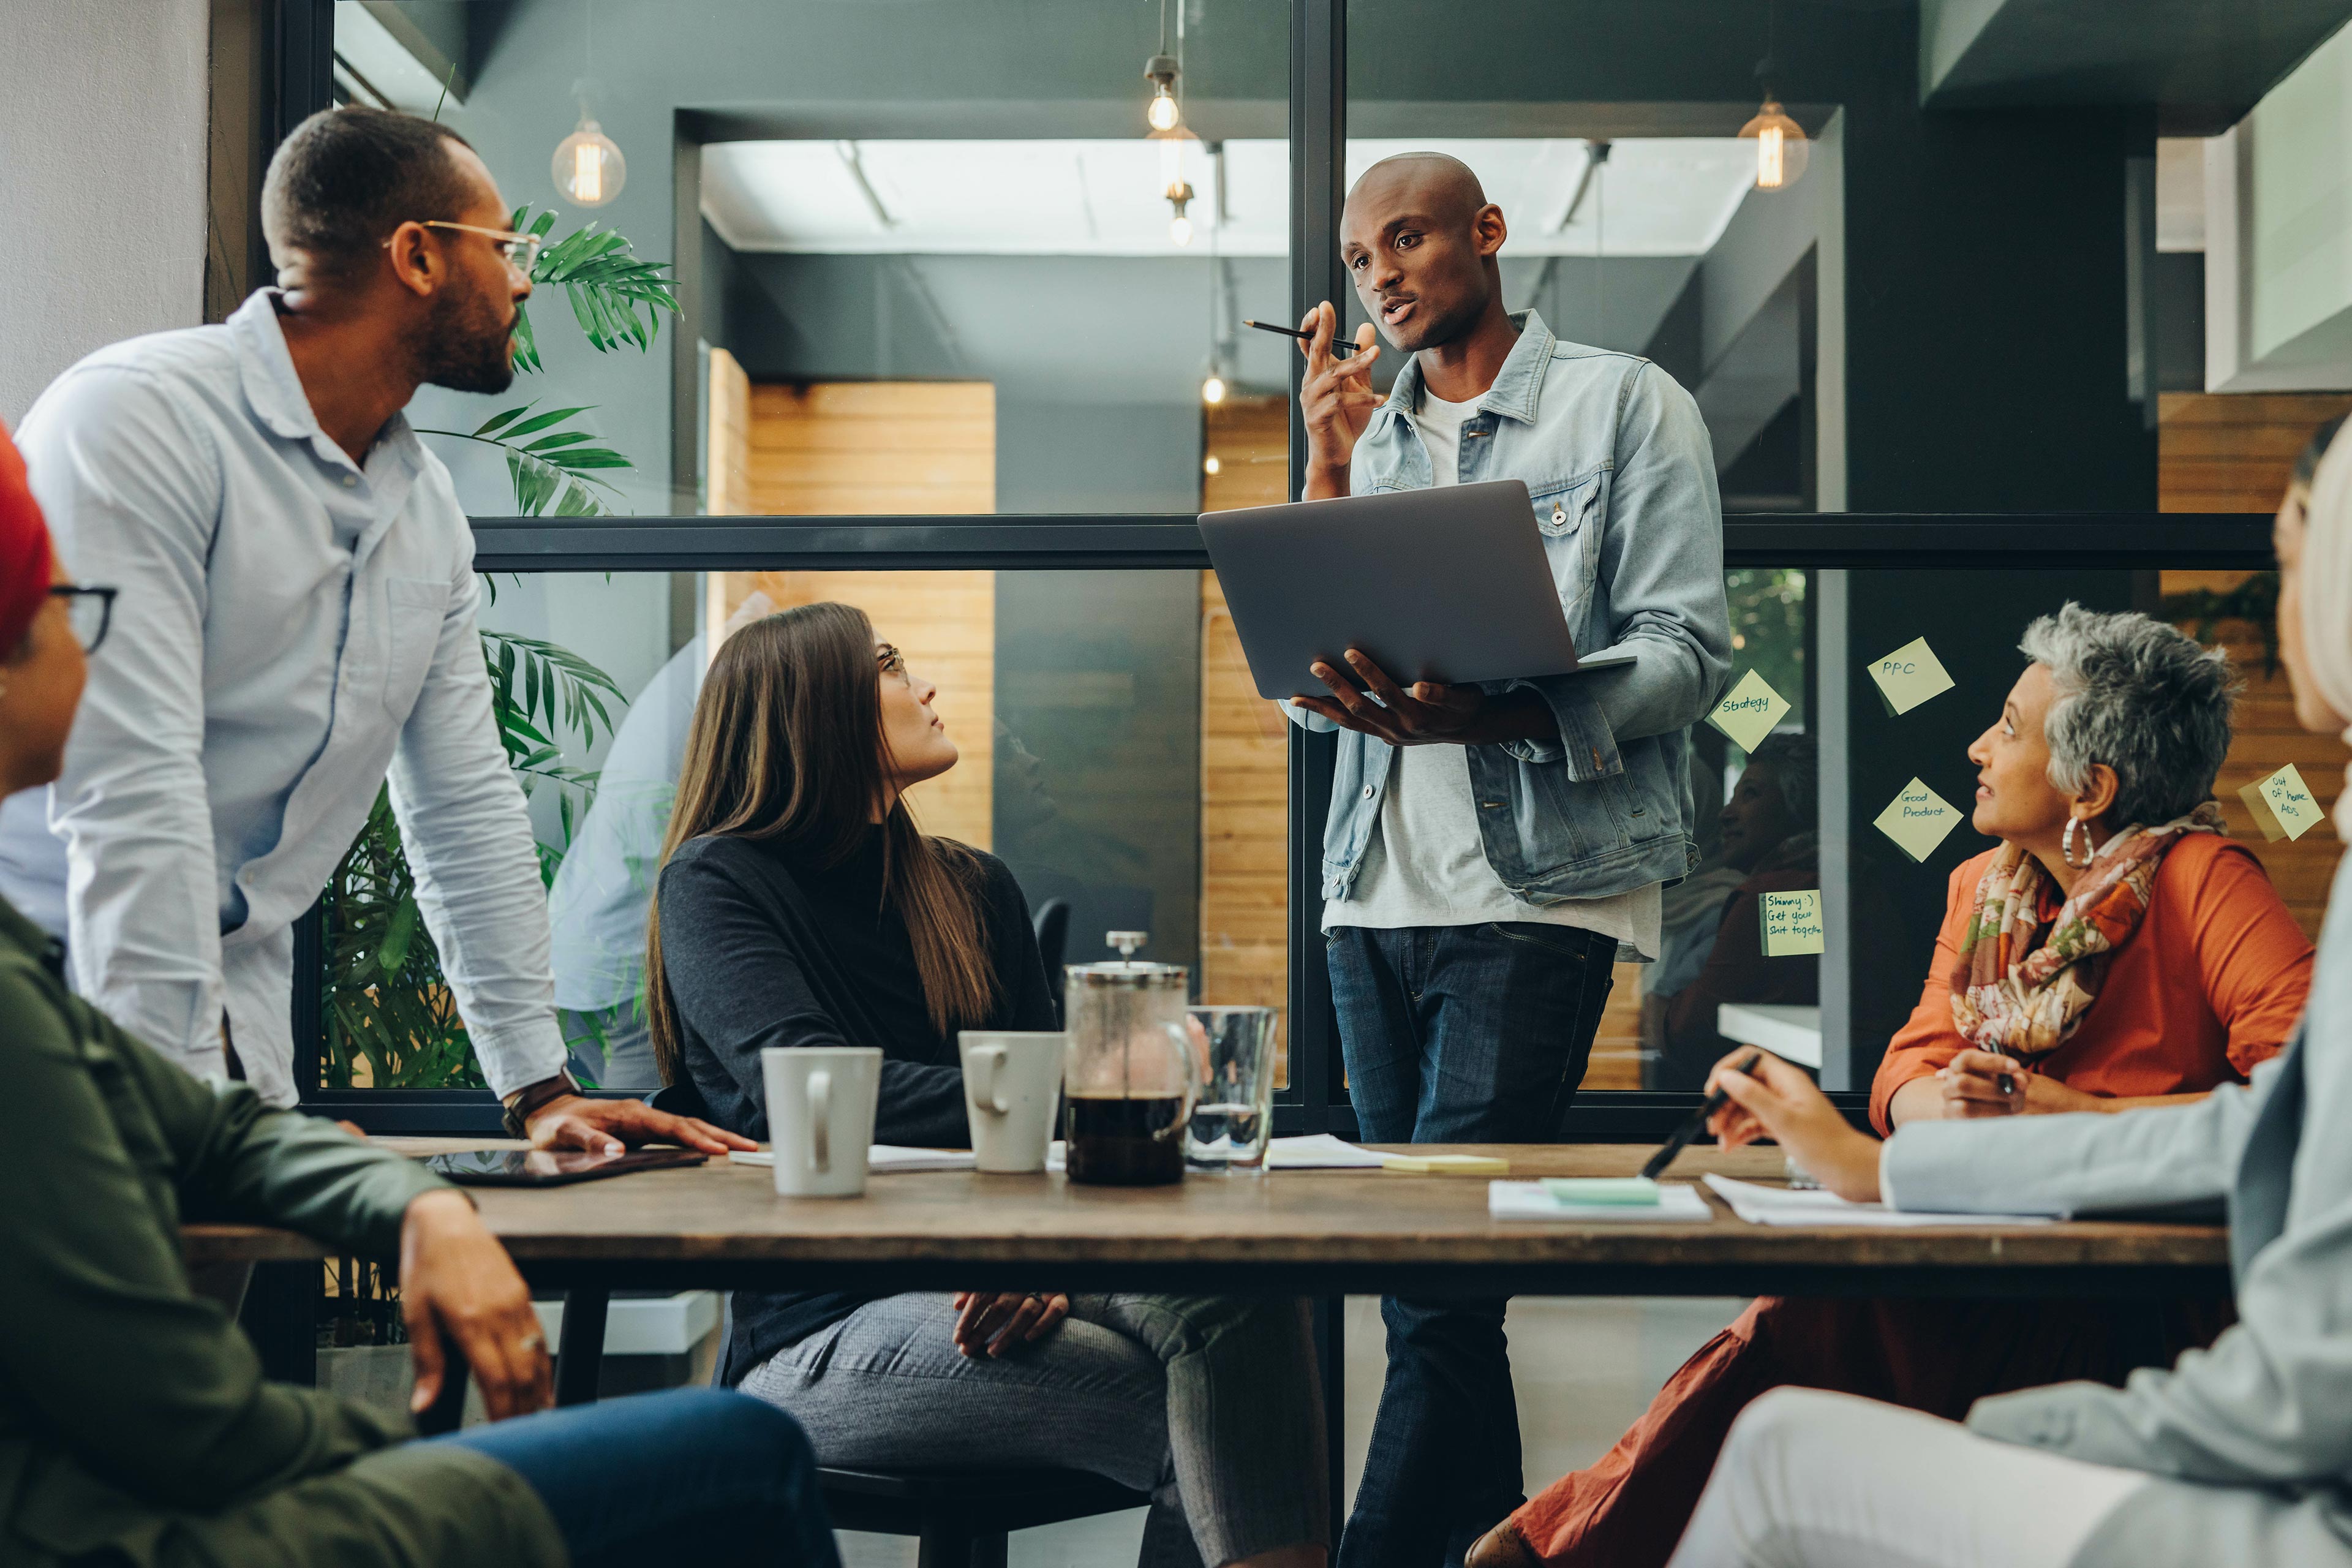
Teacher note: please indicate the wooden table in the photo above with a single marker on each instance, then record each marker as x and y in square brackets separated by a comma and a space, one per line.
[1304, 1233]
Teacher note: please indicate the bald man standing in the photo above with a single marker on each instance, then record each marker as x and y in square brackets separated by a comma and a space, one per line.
[1493, 850]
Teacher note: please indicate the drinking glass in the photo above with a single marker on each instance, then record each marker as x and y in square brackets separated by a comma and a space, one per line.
[1233, 1112]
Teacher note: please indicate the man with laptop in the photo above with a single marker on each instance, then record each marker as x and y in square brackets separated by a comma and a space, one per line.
[1493, 847]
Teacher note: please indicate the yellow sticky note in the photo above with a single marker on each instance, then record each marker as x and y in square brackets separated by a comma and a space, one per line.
[1792, 921]
[1748, 712]
[1918, 819]
[1909, 676]
[1446, 1165]
[2282, 804]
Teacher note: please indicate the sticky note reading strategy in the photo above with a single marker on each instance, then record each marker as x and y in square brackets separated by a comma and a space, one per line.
[2282, 804]
[1749, 713]
[1918, 819]
[1909, 676]
[1792, 923]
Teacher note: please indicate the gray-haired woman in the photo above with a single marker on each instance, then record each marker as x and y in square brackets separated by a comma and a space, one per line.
[2240, 1454]
[2112, 950]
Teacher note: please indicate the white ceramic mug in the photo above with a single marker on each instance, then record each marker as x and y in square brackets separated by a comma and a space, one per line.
[821, 1102]
[1012, 1082]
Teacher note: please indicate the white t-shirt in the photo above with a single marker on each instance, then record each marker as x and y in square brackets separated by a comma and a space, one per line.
[1425, 865]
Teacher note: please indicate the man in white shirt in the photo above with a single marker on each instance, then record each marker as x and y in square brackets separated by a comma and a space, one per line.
[1492, 850]
[296, 628]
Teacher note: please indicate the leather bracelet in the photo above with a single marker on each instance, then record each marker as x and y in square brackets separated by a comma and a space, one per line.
[530, 1096]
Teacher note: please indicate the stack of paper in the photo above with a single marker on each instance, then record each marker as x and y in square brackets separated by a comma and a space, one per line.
[1791, 1206]
[1317, 1152]
[1678, 1204]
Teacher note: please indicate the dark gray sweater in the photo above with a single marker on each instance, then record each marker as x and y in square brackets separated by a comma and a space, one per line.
[764, 946]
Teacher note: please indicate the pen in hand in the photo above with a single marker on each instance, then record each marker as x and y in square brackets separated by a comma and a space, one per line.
[1697, 1125]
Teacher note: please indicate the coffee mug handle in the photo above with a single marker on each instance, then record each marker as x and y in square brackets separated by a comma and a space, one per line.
[989, 1094]
[819, 1099]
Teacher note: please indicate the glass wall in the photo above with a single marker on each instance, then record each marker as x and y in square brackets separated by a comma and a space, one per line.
[1085, 706]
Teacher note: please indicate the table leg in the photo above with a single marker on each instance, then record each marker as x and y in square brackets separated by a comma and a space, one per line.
[1331, 1356]
[581, 1355]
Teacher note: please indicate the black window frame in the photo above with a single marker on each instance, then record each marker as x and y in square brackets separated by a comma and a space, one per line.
[1317, 1099]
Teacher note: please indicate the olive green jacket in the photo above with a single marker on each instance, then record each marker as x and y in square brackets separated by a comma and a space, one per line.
[134, 1423]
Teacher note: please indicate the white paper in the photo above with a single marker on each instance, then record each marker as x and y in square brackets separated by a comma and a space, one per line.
[1317, 1152]
[1678, 1204]
[881, 1159]
[1791, 1206]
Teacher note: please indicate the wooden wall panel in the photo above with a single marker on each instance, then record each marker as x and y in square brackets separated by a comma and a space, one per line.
[728, 492]
[872, 448]
[1245, 740]
[2235, 452]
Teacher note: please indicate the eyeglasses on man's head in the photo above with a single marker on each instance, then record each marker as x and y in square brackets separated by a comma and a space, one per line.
[520, 250]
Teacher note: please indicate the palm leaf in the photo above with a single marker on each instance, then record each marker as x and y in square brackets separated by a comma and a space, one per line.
[554, 470]
[615, 296]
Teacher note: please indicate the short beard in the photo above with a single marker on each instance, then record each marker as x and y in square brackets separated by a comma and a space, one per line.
[465, 346]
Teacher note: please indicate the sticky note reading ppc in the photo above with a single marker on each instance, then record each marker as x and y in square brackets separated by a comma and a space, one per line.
[2282, 804]
[1749, 713]
[1792, 921]
[1909, 676]
[1918, 819]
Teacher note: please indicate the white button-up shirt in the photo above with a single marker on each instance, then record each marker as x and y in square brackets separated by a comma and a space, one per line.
[289, 628]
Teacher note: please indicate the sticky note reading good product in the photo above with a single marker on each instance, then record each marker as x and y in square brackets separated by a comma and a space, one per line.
[1792, 923]
[1909, 676]
[1749, 713]
[1918, 819]
[2282, 804]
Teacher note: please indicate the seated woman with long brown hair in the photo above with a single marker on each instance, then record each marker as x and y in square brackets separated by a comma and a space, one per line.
[2114, 951]
[799, 905]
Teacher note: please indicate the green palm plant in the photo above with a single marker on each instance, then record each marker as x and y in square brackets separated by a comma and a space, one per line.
[390, 1021]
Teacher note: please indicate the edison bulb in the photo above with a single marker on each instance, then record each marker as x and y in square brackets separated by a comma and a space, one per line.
[589, 169]
[1162, 115]
[1209, 465]
[1180, 230]
[1782, 150]
[1212, 391]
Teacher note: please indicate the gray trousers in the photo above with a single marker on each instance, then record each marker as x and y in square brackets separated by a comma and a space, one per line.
[1211, 1404]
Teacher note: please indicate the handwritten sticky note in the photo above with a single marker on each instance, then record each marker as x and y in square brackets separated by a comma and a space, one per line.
[1918, 819]
[2282, 804]
[1749, 711]
[1909, 676]
[1792, 921]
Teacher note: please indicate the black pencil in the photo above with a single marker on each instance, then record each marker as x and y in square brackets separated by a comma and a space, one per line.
[1340, 347]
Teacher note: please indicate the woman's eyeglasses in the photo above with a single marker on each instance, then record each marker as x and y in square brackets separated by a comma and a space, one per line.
[90, 611]
[892, 662]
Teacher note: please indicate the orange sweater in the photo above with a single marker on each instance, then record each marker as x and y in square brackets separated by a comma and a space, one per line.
[2211, 984]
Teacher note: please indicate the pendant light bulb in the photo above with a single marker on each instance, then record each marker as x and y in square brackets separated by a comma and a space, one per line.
[1212, 391]
[1210, 464]
[1781, 149]
[1164, 112]
[589, 169]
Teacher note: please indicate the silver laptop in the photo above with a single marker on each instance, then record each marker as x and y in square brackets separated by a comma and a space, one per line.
[1447, 585]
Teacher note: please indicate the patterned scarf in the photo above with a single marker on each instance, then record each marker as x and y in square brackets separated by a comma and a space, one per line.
[2023, 1000]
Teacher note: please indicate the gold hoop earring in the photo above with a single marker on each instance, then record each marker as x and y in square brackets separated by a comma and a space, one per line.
[2067, 846]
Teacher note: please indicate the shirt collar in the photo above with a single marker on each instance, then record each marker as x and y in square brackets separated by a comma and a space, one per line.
[273, 389]
[1516, 385]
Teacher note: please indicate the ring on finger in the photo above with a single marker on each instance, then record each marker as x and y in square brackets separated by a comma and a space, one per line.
[534, 1341]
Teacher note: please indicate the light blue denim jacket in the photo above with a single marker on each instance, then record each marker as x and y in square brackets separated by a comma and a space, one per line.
[1618, 463]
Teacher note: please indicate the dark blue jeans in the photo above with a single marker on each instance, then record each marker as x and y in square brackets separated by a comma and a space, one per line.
[1454, 1035]
[694, 1475]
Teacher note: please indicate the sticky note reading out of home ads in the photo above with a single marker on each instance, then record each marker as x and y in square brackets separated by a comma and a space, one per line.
[2282, 804]
[1918, 819]
[1909, 676]
[1792, 923]
[1749, 713]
